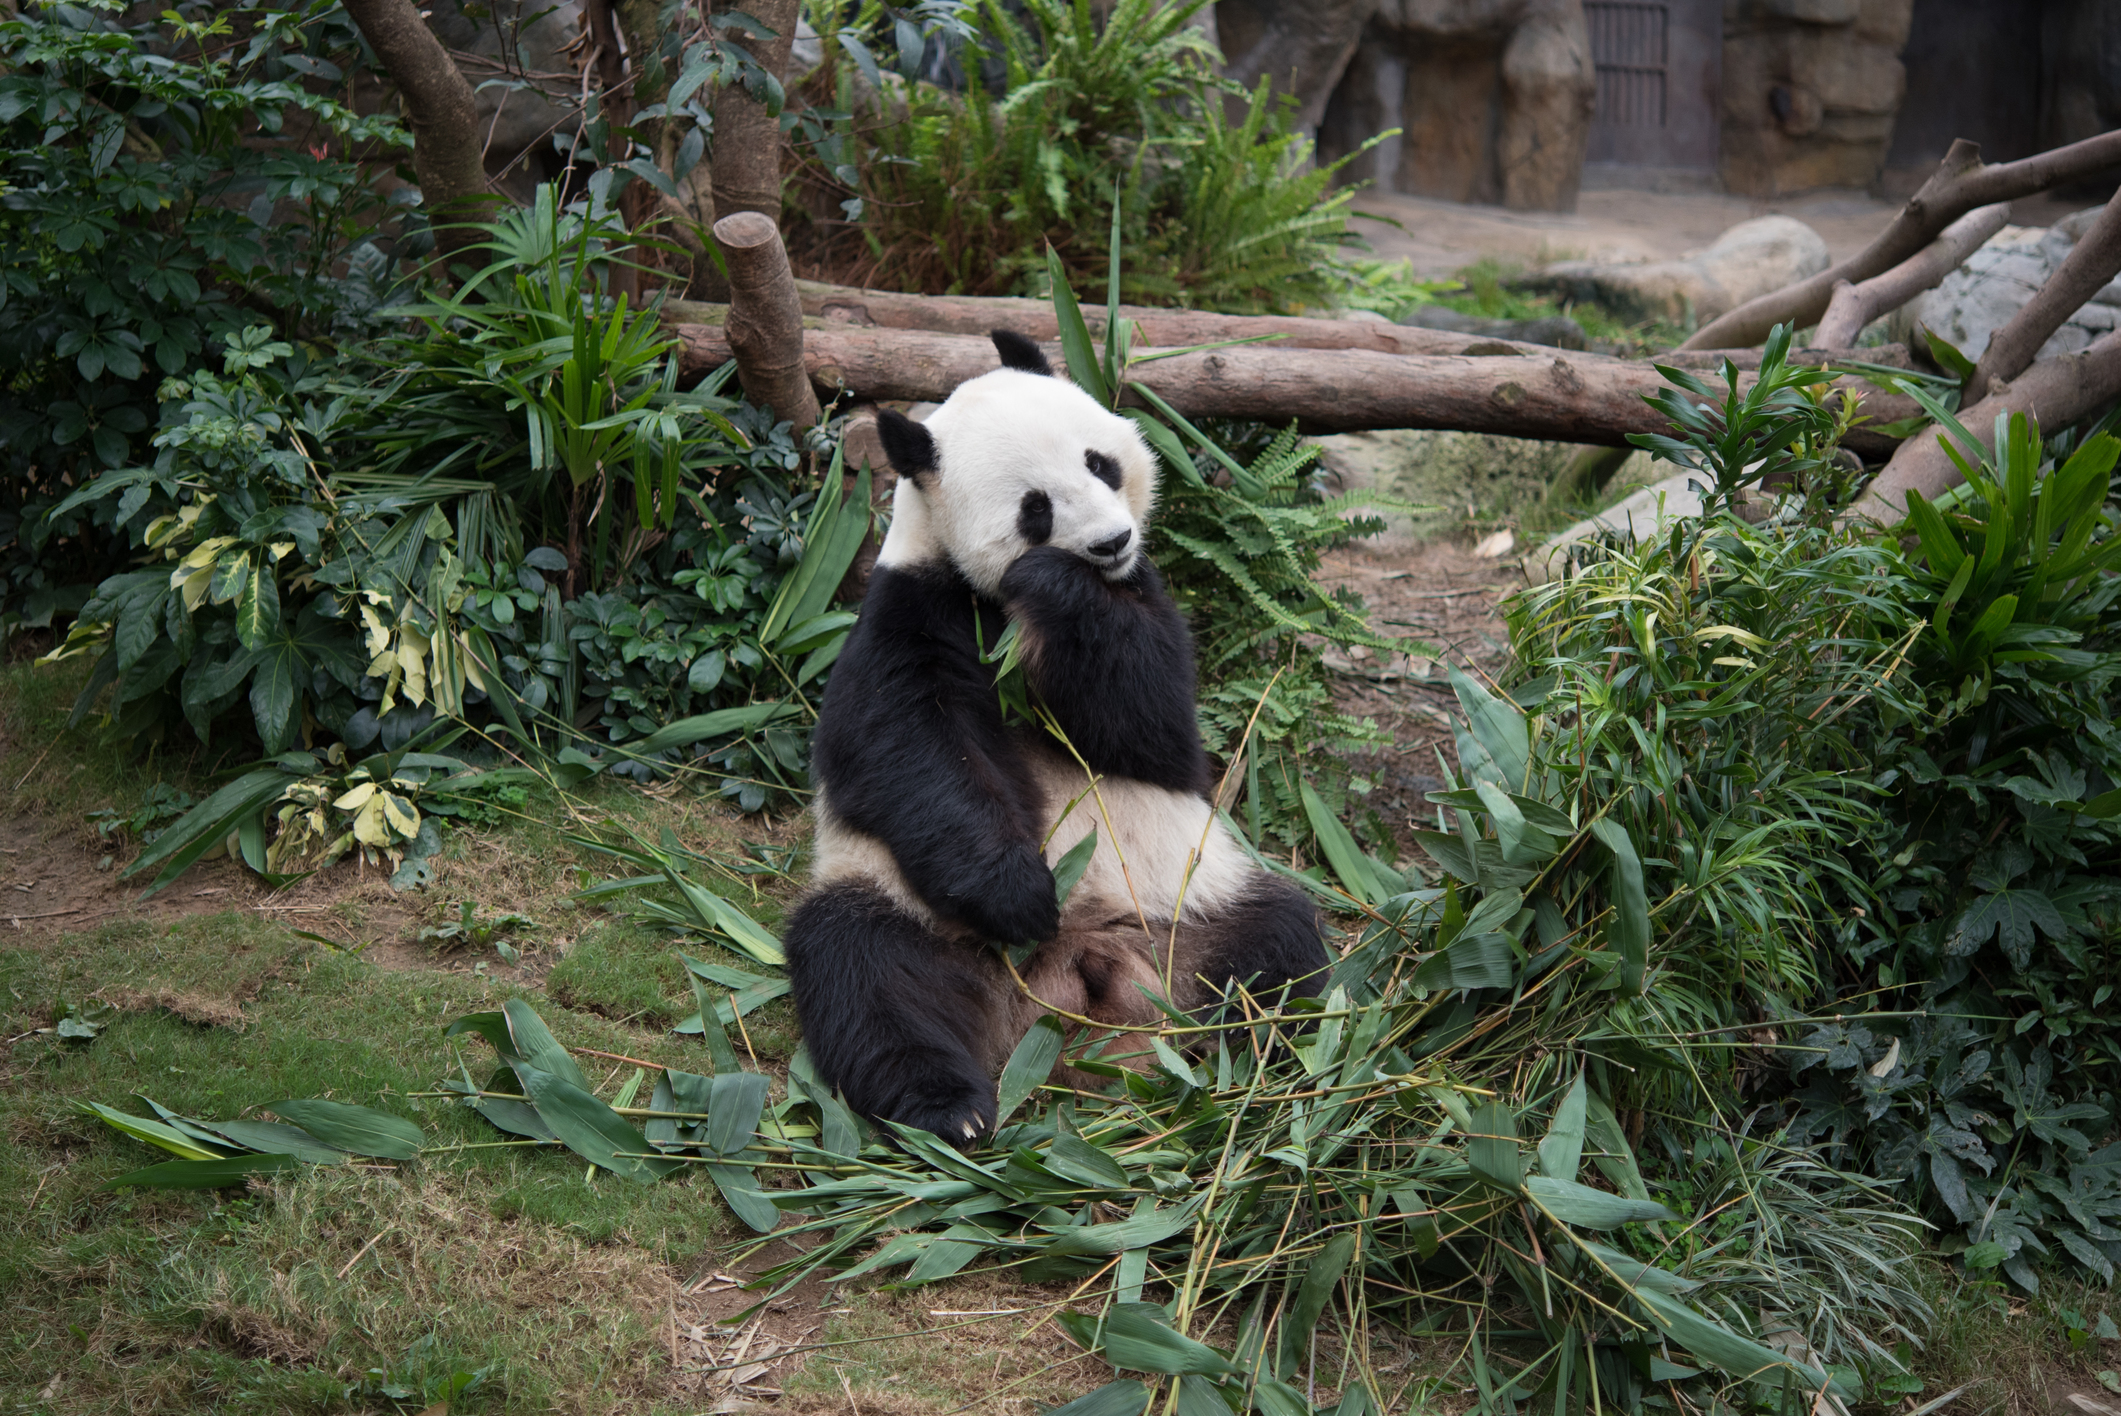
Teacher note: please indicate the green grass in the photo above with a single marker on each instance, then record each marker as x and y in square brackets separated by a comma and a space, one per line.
[513, 1261]
[1490, 293]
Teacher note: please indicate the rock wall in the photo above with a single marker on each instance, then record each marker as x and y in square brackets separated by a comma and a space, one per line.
[1810, 90]
[1494, 98]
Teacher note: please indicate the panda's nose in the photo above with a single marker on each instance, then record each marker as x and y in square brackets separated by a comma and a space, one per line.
[1112, 545]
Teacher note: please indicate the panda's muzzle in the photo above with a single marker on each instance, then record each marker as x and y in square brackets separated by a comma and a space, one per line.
[1111, 546]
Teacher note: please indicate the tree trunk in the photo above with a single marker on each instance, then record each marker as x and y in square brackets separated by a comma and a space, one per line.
[1854, 306]
[2057, 391]
[442, 112]
[688, 217]
[765, 329]
[1959, 184]
[1580, 398]
[747, 139]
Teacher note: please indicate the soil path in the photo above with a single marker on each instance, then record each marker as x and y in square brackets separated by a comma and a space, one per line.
[1440, 238]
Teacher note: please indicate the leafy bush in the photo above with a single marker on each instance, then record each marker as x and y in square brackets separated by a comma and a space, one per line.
[1879, 772]
[161, 187]
[1066, 108]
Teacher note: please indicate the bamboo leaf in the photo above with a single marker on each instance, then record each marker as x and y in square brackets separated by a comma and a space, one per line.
[358, 1129]
[216, 1174]
[1571, 1203]
[1029, 1066]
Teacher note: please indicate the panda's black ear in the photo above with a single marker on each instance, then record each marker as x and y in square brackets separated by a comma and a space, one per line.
[908, 446]
[1019, 352]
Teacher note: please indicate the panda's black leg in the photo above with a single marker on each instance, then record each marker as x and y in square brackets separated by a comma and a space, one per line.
[1267, 939]
[900, 1020]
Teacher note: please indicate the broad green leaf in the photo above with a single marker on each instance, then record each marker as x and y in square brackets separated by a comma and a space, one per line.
[1068, 870]
[1029, 1066]
[1522, 843]
[1125, 1397]
[274, 1138]
[1491, 1147]
[1571, 1203]
[206, 825]
[217, 1174]
[1498, 727]
[950, 1251]
[1121, 1235]
[359, 1129]
[258, 607]
[1080, 1161]
[1321, 1276]
[534, 1043]
[1357, 872]
[155, 1133]
[739, 1189]
[733, 1108]
[1175, 1065]
[708, 726]
[1561, 1152]
[1629, 928]
[1084, 366]
[592, 1130]
[1482, 960]
[1717, 1346]
[1136, 1337]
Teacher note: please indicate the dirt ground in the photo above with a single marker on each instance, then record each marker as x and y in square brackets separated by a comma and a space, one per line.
[1440, 238]
[1444, 598]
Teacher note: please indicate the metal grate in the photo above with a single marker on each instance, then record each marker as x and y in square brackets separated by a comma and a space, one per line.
[1630, 47]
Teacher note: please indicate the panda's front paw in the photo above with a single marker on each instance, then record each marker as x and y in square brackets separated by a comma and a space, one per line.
[959, 1112]
[1047, 577]
[1012, 900]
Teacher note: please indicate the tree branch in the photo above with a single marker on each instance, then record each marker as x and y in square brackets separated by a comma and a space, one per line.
[2091, 263]
[2057, 391]
[1854, 306]
[1960, 183]
[442, 113]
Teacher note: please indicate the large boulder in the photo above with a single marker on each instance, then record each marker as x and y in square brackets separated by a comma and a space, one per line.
[1753, 258]
[1492, 100]
[1995, 282]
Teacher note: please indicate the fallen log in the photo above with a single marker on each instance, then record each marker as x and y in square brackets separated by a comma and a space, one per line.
[1162, 328]
[1554, 396]
[1960, 184]
[1851, 307]
[2057, 391]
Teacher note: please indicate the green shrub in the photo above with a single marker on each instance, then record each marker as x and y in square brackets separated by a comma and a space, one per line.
[1065, 107]
[1881, 773]
[161, 188]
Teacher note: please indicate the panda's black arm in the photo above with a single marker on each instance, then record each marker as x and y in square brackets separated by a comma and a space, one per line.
[912, 749]
[1114, 665]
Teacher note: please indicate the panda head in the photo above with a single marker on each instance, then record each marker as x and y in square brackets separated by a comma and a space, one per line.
[1014, 459]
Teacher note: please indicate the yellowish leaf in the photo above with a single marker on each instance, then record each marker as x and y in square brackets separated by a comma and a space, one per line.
[401, 814]
[356, 798]
[378, 632]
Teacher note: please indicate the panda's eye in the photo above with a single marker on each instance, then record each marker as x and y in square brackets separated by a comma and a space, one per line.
[1034, 518]
[1103, 468]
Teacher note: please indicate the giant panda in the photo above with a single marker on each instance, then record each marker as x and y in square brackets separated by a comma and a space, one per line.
[938, 820]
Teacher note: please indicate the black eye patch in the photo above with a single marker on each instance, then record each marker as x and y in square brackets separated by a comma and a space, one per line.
[1103, 468]
[1034, 518]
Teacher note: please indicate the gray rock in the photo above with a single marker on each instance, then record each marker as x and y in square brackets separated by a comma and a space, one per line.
[1751, 259]
[1645, 514]
[1557, 331]
[1973, 302]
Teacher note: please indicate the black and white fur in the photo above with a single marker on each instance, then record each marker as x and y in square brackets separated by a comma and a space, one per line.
[1020, 498]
